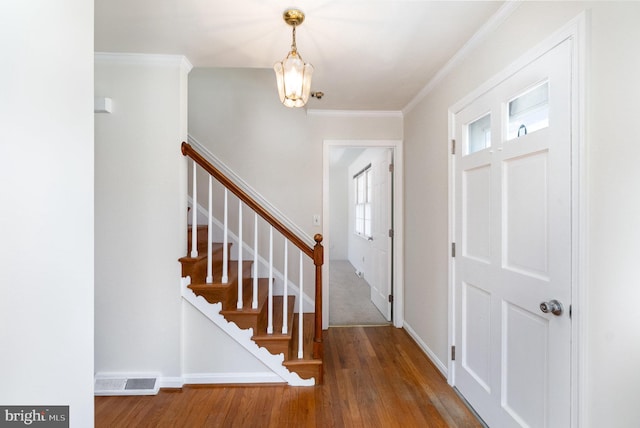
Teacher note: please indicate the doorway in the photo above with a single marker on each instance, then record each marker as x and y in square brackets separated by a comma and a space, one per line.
[513, 185]
[360, 233]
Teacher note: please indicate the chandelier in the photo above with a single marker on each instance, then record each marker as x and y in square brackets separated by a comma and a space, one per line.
[292, 73]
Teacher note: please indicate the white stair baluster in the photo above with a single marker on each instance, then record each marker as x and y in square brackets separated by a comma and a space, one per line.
[225, 242]
[285, 302]
[240, 278]
[254, 302]
[270, 302]
[210, 234]
[194, 215]
[300, 312]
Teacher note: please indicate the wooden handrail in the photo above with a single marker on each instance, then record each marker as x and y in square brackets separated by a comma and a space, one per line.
[316, 253]
[318, 259]
[187, 150]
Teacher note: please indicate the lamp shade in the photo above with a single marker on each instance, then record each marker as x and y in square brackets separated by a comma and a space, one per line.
[294, 80]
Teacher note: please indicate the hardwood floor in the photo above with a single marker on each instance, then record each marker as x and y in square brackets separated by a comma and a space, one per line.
[374, 377]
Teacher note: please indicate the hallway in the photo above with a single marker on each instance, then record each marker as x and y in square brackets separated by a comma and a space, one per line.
[349, 298]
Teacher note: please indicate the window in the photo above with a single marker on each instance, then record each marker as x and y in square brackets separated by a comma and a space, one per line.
[529, 112]
[363, 191]
[479, 134]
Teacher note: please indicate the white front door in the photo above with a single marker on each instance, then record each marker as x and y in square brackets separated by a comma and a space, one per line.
[380, 277]
[512, 174]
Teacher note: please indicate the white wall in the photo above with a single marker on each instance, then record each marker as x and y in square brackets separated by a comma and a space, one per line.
[613, 329]
[140, 213]
[612, 378]
[235, 114]
[211, 355]
[339, 185]
[46, 219]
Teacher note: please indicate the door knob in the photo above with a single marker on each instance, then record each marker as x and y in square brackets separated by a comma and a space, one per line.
[552, 306]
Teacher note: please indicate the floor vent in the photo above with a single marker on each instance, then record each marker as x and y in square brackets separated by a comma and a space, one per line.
[126, 386]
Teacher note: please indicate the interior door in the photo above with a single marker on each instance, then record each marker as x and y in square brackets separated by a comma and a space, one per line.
[513, 267]
[381, 206]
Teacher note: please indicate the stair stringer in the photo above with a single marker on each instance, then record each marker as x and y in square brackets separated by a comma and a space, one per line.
[241, 336]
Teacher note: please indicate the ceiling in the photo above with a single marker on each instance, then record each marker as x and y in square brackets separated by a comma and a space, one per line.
[367, 54]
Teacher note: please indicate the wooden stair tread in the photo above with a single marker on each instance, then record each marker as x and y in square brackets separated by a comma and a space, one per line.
[247, 297]
[232, 274]
[277, 321]
[216, 247]
[225, 293]
[306, 367]
[307, 338]
[202, 238]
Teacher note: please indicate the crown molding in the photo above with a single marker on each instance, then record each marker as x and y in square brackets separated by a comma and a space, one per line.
[489, 27]
[143, 59]
[356, 113]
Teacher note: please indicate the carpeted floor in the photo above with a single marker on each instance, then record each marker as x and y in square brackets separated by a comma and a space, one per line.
[349, 297]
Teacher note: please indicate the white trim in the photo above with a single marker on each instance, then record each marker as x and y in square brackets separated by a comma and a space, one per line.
[143, 59]
[356, 113]
[451, 236]
[229, 378]
[398, 227]
[488, 28]
[566, 32]
[206, 153]
[171, 382]
[309, 303]
[242, 336]
[575, 30]
[580, 255]
[430, 354]
[186, 379]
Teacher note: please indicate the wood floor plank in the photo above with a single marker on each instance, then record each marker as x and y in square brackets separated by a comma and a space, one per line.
[374, 377]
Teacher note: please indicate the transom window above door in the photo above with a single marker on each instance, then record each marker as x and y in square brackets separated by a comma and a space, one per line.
[479, 134]
[529, 112]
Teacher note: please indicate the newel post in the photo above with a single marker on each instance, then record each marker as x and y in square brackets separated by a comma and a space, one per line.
[318, 260]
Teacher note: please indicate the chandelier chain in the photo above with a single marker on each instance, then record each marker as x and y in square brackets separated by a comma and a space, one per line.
[294, 49]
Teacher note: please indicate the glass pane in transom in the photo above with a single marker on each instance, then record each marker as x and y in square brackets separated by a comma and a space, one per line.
[479, 134]
[529, 112]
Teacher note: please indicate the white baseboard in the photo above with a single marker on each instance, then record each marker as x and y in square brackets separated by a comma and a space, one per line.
[432, 356]
[114, 383]
[171, 382]
[230, 378]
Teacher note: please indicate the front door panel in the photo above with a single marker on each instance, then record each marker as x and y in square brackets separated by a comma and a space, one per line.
[513, 227]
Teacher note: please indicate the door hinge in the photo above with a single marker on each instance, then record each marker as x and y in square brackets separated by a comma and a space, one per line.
[453, 353]
[453, 147]
[390, 298]
[570, 311]
[453, 249]
[390, 167]
[390, 233]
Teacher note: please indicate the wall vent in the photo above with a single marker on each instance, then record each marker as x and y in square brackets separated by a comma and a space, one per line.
[126, 386]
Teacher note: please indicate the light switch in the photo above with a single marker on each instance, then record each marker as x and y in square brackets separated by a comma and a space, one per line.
[316, 219]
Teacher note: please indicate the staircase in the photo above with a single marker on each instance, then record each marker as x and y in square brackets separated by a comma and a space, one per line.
[222, 300]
